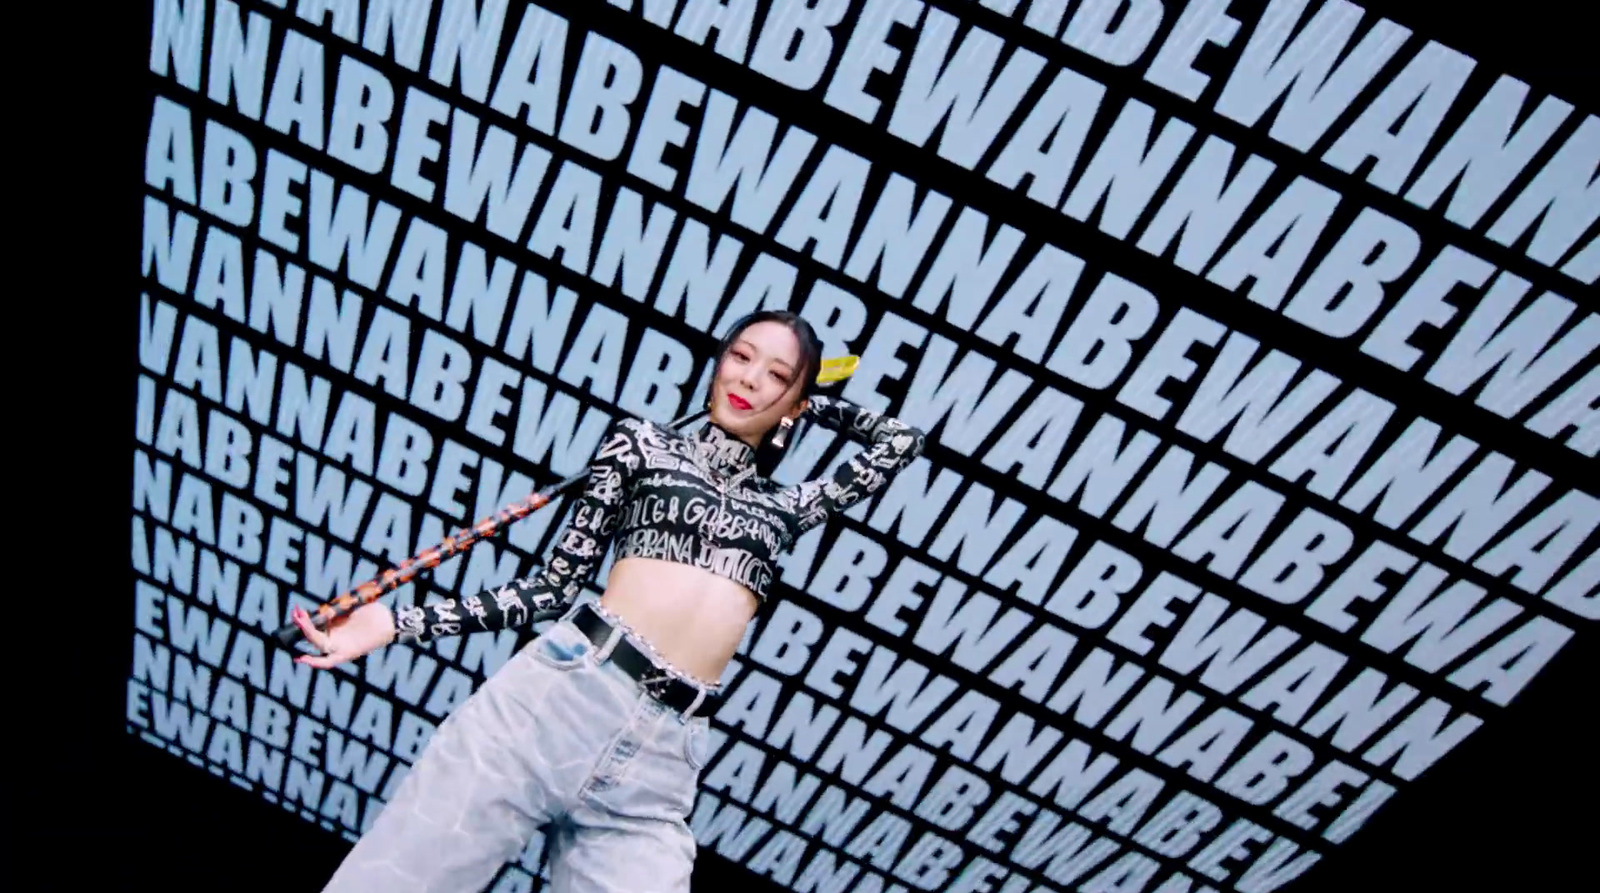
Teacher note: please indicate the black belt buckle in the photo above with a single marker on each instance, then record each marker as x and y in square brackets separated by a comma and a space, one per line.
[656, 684]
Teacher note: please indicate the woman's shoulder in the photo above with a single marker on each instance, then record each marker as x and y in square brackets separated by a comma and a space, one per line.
[634, 427]
[644, 429]
[628, 433]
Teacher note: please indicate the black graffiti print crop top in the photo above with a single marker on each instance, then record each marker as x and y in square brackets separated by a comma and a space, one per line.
[693, 498]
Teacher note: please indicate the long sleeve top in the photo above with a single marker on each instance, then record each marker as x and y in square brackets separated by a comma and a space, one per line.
[693, 498]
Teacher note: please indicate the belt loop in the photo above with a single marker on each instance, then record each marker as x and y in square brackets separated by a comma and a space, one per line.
[699, 698]
[604, 654]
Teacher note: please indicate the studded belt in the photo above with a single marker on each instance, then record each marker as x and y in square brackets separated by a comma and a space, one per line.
[679, 694]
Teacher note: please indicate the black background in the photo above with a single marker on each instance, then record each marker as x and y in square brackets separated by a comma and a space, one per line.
[1511, 808]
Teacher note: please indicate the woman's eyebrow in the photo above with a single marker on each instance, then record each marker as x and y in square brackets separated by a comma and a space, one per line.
[751, 348]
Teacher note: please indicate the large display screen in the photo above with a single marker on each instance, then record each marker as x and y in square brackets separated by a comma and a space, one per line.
[1255, 341]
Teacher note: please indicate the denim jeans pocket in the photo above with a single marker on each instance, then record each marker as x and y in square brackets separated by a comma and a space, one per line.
[562, 646]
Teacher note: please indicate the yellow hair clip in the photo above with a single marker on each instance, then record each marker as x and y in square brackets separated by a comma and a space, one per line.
[836, 369]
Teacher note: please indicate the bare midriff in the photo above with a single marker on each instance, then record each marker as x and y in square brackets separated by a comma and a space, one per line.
[694, 618]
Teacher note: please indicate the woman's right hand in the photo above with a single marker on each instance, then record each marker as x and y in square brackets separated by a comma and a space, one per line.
[364, 630]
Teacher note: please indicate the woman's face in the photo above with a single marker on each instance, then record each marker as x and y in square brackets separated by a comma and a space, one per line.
[758, 382]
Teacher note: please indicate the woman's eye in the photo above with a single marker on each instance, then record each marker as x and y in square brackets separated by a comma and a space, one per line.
[781, 377]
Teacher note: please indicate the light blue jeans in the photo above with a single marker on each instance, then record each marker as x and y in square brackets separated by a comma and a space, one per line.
[554, 736]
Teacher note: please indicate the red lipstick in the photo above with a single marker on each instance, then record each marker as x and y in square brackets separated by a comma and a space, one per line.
[738, 402]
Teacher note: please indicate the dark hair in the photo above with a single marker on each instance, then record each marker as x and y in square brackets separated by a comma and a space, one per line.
[767, 454]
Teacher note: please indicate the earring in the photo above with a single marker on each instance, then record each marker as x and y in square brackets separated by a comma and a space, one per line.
[783, 433]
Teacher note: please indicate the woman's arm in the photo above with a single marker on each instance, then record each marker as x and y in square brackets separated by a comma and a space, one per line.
[579, 549]
[891, 446]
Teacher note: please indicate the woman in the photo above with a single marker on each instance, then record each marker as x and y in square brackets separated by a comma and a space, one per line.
[599, 725]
